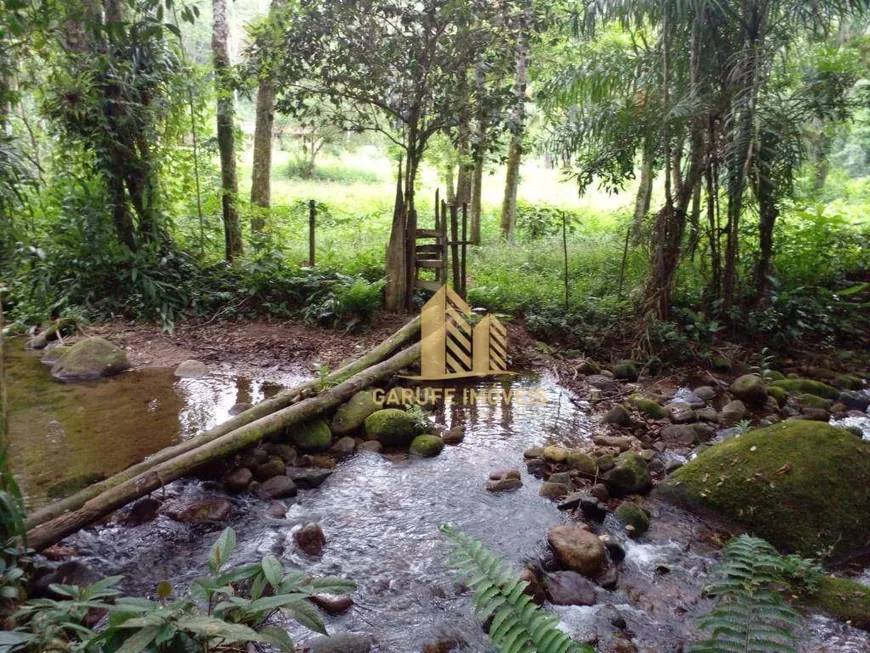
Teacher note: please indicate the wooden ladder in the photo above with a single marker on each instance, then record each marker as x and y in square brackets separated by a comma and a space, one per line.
[433, 254]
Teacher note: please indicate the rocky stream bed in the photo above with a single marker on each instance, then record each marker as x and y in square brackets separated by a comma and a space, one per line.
[379, 510]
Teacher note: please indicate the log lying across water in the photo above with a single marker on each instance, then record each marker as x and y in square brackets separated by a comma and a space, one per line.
[280, 401]
[180, 465]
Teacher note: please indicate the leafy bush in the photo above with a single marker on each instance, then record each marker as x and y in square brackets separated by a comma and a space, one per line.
[223, 610]
[517, 623]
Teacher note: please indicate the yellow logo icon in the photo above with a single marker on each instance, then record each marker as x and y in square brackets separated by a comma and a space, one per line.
[453, 347]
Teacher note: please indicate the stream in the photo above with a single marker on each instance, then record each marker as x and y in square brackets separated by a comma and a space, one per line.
[380, 513]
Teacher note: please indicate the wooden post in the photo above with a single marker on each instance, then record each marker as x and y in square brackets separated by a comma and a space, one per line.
[312, 220]
[442, 227]
[410, 258]
[454, 243]
[464, 245]
[565, 254]
[439, 272]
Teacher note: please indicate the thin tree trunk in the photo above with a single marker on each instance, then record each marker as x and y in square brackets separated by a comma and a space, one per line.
[394, 292]
[466, 165]
[261, 173]
[480, 144]
[225, 131]
[158, 476]
[450, 183]
[644, 194]
[261, 188]
[515, 153]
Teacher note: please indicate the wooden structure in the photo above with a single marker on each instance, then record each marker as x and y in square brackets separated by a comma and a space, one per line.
[432, 249]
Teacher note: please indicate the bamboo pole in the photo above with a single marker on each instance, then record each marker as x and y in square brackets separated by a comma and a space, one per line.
[158, 476]
[280, 401]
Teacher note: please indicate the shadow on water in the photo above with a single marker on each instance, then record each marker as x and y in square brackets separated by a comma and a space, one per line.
[380, 513]
[62, 432]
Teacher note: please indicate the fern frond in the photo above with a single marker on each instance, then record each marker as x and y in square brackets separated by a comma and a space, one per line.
[518, 625]
[750, 617]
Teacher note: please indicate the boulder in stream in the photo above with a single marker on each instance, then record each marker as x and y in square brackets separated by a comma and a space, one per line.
[310, 539]
[808, 386]
[391, 427]
[570, 588]
[199, 511]
[576, 548]
[630, 475]
[192, 369]
[344, 643]
[313, 435]
[89, 359]
[750, 389]
[427, 446]
[802, 485]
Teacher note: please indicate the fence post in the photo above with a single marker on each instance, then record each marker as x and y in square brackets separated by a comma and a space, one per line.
[312, 222]
[464, 245]
[454, 246]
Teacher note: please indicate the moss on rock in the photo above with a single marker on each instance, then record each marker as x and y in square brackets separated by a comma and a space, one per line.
[648, 407]
[631, 514]
[802, 485]
[812, 401]
[88, 359]
[391, 427]
[808, 386]
[311, 436]
[625, 370]
[843, 599]
[629, 475]
[351, 414]
[427, 446]
[779, 394]
[848, 382]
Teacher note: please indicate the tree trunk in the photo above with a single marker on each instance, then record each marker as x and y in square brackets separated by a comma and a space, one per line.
[466, 164]
[261, 173]
[280, 401]
[480, 143]
[450, 183]
[644, 194]
[261, 187]
[158, 476]
[515, 153]
[395, 290]
[225, 131]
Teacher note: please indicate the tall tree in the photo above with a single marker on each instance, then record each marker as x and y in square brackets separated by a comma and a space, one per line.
[389, 66]
[226, 130]
[261, 173]
[515, 149]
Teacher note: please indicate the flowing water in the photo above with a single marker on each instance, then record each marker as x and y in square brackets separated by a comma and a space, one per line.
[380, 513]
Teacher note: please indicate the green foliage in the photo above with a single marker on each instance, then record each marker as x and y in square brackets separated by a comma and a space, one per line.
[750, 616]
[517, 623]
[227, 608]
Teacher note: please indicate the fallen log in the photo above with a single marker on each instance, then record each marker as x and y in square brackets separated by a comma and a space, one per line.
[51, 332]
[283, 399]
[120, 495]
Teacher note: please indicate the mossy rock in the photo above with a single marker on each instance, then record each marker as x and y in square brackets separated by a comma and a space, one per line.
[750, 389]
[311, 436]
[427, 446]
[631, 514]
[720, 364]
[351, 414]
[847, 382]
[72, 485]
[391, 427]
[54, 354]
[629, 475]
[625, 370]
[648, 407]
[772, 375]
[812, 401]
[654, 366]
[808, 386]
[779, 394]
[582, 462]
[804, 486]
[89, 359]
[843, 599]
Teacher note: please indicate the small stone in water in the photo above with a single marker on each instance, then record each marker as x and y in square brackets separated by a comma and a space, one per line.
[332, 604]
[239, 480]
[553, 490]
[142, 512]
[239, 408]
[454, 436]
[277, 487]
[311, 540]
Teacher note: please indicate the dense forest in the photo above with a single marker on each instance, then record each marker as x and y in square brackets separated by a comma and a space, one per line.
[665, 202]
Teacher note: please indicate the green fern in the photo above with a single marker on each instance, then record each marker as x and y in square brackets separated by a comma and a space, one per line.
[518, 625]
[750, 617]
